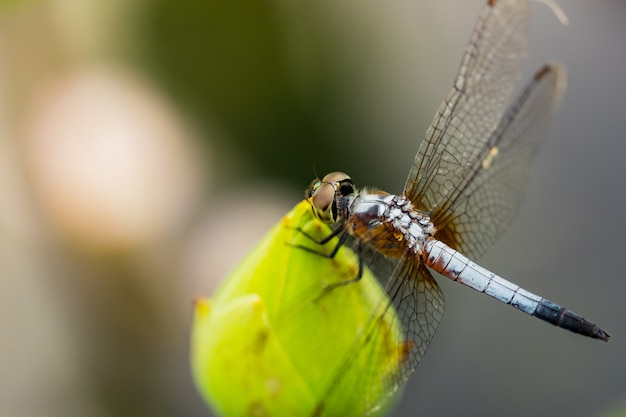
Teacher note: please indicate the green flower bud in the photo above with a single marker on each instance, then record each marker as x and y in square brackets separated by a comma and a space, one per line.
[276, 341]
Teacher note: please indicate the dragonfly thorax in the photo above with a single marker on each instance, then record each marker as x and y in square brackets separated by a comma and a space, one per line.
[389, 223]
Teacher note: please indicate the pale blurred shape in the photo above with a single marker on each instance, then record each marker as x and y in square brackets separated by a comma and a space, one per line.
[229, 229]
[110, 160]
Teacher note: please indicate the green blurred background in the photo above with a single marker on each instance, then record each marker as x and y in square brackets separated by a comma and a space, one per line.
[145, 146]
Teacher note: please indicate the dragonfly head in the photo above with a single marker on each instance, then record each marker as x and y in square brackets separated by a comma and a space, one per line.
[329, 196]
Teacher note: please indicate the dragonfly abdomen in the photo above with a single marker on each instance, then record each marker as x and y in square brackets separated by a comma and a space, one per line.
[567, 319]
[456, 266]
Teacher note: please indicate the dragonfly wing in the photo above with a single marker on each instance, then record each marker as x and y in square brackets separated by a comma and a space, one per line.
[466, 119]
[487, 198]
[419, 304]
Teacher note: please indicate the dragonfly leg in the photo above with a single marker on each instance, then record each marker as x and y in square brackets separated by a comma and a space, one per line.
[335, 232]
[330, 287]
[342, 240]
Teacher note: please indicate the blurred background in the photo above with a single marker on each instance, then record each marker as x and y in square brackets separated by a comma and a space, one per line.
[146, 146]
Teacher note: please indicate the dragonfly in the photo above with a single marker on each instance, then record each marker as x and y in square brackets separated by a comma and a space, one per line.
[463, 190]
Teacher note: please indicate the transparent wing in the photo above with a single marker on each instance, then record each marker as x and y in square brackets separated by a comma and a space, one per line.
[419, 304]
[467, 118]
[486, 198]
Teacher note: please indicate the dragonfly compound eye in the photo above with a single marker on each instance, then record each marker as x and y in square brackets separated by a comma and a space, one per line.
[323, 202]
[336, 177]
[315, 184]
[323, 195]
